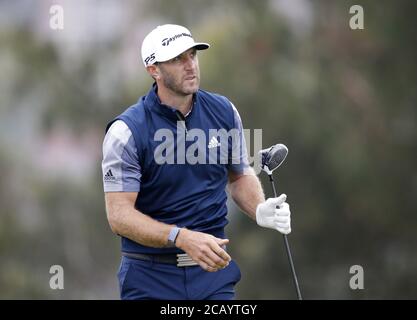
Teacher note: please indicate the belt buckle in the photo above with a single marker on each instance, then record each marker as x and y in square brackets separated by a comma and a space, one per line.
[184, 260]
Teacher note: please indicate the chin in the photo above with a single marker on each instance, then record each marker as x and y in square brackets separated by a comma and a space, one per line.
[191, 90]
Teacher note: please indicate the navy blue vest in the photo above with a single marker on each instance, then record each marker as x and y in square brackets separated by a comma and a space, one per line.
[191, 196]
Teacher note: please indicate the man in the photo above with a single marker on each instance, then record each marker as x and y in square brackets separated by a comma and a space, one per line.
[170, 210]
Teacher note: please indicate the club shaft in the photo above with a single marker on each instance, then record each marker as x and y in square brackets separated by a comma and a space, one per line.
[287, 248]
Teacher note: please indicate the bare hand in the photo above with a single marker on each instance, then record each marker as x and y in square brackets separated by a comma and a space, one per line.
[204, 249]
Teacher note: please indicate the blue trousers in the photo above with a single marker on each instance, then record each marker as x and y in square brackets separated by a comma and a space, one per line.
[144, 280]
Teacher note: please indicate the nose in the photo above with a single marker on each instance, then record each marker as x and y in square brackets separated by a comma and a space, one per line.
[189, 62]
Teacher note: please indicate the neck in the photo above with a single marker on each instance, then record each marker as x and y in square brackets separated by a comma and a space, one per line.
[179, 102]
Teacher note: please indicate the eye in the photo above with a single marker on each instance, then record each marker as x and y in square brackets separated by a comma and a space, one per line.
[177, 59]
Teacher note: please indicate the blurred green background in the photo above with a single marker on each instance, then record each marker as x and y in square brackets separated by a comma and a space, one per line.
[342, 100]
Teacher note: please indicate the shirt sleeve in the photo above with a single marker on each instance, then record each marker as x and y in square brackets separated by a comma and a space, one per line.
[238, 161]
[120, 165]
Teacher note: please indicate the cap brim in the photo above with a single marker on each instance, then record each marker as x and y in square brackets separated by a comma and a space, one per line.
[201, 46]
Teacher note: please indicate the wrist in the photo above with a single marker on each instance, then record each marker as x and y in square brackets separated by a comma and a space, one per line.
[181, 238]
[173, 235]
[258, 214]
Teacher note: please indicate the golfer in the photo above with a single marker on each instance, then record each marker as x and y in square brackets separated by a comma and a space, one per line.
[166, 169]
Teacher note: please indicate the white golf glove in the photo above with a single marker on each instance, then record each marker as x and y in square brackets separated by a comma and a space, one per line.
[275, 214]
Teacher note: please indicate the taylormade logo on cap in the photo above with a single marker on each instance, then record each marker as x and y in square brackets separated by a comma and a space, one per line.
[166, 42]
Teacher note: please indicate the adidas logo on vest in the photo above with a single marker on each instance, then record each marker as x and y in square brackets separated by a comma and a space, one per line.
[214, 143]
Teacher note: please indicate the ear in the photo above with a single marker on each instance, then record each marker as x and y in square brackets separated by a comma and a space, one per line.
[153, 71]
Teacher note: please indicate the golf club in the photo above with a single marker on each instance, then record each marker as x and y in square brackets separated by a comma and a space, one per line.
[271, 159]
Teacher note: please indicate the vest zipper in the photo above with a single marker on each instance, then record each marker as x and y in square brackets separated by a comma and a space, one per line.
[181, 118]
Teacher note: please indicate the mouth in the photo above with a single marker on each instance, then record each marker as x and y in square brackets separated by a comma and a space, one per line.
[190, 77]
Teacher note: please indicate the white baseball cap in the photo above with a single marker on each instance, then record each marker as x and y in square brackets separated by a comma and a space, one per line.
[166, 42]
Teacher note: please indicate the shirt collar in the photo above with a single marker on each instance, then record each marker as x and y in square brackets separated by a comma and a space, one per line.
[153, 103]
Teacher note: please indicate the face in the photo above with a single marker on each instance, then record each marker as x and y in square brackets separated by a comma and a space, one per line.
[181, 75]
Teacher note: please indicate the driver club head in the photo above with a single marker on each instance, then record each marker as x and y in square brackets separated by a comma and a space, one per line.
[273, 157]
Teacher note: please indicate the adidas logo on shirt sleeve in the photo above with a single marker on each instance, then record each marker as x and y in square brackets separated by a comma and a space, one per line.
[109, 176]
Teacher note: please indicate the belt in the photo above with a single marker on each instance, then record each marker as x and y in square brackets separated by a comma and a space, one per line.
[180, 259]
